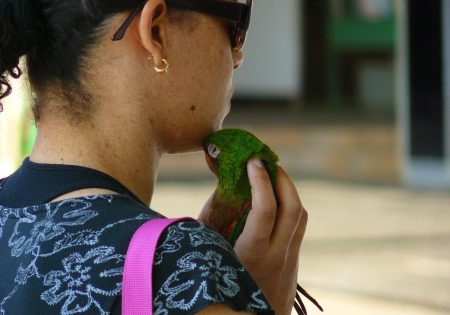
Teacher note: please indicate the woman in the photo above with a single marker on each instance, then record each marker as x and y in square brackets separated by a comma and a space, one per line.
[107, 111]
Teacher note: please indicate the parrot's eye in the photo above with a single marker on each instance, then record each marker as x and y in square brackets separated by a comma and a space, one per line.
[213, 151]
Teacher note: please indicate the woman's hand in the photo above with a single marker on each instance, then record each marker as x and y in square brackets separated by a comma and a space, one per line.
[270, 244]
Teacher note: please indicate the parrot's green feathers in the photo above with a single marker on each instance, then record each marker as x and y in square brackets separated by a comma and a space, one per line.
[228, 151]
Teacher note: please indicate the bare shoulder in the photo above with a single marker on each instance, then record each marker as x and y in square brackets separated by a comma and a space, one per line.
[221, 309]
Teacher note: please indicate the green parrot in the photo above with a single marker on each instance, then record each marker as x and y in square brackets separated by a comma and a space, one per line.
[227, 152]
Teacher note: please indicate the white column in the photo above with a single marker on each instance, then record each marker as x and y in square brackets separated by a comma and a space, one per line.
[430, 172]
[446, 35]
[401, 82]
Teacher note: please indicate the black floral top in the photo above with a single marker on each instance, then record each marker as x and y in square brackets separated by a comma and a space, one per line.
[67, 257]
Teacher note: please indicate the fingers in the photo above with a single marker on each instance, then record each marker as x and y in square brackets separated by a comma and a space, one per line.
[289, 209]
[296, 242]
[261, 219]
[298, 239]
[291, 266]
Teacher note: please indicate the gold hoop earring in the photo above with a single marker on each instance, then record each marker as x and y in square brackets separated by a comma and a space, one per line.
[166, 66]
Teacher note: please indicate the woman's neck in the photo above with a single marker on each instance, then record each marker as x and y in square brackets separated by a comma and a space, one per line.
[123, 151]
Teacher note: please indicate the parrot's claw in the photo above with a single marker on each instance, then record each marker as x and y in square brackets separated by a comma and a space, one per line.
[300, 309]
[298, 303]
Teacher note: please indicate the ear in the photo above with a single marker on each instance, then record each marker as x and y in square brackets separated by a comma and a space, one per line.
[152, 29]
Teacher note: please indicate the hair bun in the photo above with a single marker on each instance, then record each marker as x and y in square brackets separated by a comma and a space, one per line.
[21, 19]
[20, 31]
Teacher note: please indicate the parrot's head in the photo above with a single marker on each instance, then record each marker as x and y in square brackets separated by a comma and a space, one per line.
[229, 147]
[227, 152]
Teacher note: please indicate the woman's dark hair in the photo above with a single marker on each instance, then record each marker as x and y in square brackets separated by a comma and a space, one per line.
[54, 35]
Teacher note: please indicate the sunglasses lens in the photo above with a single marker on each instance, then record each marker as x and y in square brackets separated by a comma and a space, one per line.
[240, 30]
[237, 37]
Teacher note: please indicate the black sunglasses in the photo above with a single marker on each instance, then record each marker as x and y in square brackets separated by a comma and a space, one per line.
[236, 11]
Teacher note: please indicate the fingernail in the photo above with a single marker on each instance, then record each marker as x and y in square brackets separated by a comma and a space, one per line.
[257, 162]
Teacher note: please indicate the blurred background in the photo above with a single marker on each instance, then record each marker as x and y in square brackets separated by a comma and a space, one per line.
[354, 96]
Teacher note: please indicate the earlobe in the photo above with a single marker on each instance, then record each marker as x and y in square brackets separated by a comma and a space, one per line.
[151, 29]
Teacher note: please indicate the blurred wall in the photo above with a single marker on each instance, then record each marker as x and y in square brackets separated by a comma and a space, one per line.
[11, 128]
[17, 130]
[275, 42]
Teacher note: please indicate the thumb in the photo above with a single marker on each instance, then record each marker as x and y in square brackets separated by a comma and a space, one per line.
[206, 210]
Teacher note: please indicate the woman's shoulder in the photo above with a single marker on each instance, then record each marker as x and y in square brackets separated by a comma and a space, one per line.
[196, 267]
[73, 249]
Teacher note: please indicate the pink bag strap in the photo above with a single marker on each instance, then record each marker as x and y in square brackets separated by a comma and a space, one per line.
[137, 295]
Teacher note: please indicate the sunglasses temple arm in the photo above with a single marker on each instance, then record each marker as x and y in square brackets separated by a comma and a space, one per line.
[121, 32]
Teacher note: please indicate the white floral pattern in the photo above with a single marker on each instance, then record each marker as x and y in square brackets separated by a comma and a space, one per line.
[73, 284]
[26, 238]
[170, 245]
[200, 235]
[258, 302]
[78, 260]
[182, 292]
